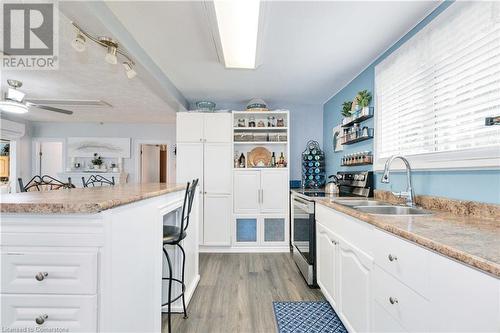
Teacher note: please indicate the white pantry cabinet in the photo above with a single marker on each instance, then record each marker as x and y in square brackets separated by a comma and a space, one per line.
[204, 151]
[420, 291]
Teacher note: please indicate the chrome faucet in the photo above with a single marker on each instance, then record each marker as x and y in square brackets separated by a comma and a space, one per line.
[409, 195]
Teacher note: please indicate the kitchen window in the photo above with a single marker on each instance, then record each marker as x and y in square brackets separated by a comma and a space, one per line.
[435, 91]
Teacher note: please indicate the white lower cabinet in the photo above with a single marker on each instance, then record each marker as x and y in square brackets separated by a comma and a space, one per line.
[386, 284]
[46, 312]
[355, 274]
[328, 266]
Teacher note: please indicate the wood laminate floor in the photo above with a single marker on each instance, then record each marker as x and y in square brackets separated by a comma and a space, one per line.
[236, 291]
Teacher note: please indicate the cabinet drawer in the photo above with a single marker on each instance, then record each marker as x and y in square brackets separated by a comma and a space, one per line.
[406, 261]
[402, 303]
[43, 312]
[49, 273]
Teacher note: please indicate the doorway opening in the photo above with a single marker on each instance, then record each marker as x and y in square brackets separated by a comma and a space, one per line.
[154, 163]
[48, 158]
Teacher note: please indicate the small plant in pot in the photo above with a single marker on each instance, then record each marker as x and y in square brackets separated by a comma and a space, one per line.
[363, 99]
[97, 161]
[346, 108]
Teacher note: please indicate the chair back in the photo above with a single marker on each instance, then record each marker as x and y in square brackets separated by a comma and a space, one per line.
[187, 205]
[44, 183]
[97, 180]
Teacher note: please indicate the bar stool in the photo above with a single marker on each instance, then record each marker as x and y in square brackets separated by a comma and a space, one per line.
[173, 235]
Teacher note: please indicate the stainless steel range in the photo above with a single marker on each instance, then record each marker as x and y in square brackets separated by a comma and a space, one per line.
[303, 223]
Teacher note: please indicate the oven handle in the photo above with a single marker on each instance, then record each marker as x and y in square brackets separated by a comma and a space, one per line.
[303, 204]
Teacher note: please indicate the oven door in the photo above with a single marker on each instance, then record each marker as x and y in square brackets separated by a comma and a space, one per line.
[303, 237]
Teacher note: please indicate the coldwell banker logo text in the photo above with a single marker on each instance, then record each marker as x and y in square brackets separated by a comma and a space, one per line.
[29, 36]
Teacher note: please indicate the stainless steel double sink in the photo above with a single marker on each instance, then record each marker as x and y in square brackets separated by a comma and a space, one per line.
[375, 207]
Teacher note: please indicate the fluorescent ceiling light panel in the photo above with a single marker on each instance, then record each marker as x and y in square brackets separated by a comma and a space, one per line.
[238, 23]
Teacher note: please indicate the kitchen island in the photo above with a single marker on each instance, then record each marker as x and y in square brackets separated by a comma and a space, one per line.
[91, 259]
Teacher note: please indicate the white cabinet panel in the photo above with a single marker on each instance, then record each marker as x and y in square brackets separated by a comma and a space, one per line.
[383, 322]
[401, 302]
[218, 127]
[190, 127]
[327, 264]
[246, 191]
[217, 220]
[407, 262]
[72, 313]
[49, 273]
[189, 162]
[218, 168]
[274, 192]
[355, 287]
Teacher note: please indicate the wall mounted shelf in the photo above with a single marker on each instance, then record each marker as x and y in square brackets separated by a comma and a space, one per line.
[260, 129]
[358, 139]
[260, 143]
[363, 114]
[350, 165]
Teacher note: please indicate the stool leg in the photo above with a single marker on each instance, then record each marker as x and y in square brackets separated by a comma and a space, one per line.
[182, 279]
[169, 291]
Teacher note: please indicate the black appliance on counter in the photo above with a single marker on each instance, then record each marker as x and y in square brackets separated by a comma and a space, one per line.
[303, 223]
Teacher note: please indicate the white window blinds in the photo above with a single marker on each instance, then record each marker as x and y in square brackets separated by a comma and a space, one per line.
[434, 92]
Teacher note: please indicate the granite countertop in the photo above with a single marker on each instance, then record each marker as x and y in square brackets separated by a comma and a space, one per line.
[469, 239]
[83, 200]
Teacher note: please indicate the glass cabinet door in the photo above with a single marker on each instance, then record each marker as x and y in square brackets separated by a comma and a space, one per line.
[274, 229]
[246, 230]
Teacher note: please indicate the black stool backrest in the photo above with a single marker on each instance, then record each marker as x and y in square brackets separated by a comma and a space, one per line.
[98, 179]
[188, 204]
[44, 183]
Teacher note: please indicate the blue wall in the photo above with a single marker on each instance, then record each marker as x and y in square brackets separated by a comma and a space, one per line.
[481, 185]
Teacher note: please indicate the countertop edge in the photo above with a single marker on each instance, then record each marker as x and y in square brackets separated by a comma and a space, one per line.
[48, 208]
[479, 263]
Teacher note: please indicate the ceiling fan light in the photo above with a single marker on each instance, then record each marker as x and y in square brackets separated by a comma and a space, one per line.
[78, 42]
[129, 70]
[13, 107]
[111, 55]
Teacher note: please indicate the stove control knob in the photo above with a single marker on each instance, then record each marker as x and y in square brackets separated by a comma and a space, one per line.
[361, 177]
[356, 177]
[340, 176]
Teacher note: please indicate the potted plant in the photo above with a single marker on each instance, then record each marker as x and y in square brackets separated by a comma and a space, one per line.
[363, 99]
[346, 108]
[97, 161]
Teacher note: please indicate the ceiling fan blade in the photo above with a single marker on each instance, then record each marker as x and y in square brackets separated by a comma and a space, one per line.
[50, 108]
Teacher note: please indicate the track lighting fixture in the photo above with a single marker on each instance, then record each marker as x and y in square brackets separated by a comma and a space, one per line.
[79, 42]
[113, 49]
[129, 70]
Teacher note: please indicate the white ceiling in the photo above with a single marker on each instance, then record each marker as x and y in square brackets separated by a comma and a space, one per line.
[87, 76]
[310, 49]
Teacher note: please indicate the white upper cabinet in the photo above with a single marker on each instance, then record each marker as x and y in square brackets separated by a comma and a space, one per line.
[218, 168]
[218, 127]
[274, 194]
[246, 192]
[190, 127]
[204, 127]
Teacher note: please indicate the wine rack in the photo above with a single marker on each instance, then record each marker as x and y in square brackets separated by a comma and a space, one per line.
[313, 166]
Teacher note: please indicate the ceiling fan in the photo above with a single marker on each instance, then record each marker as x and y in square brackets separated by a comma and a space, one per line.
[14, 101]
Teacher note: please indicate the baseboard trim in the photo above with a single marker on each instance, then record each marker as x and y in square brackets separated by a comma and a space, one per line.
[241, 249]
[177, 306]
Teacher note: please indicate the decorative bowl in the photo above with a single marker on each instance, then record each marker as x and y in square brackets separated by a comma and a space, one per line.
[205, 106]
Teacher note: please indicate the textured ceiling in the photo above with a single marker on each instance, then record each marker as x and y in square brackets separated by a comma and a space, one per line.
[311, 49]
[87, 76]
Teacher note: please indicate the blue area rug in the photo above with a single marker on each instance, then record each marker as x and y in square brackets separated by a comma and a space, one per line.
[310, 317]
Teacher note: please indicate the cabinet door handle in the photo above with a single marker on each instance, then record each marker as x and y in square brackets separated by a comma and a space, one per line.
[392, 257]
[41, 275]
[258, 195]
[393, 300]
[262, 196]
[41, 319]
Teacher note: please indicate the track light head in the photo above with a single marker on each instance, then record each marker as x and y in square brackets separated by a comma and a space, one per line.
[129, 70]
[78, 42]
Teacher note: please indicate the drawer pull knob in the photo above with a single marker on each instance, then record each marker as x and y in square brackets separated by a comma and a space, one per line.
[392, 257]
[393, 300]
[41, 319]
[334, 242]
[41, 275]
